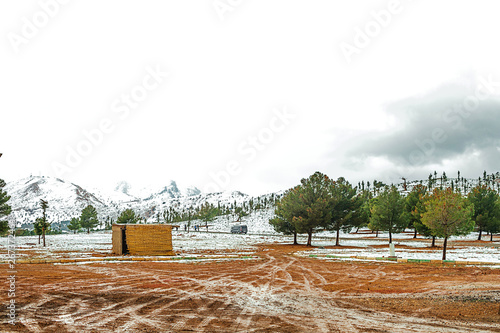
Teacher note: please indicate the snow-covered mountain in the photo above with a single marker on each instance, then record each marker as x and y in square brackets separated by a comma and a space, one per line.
[66, 200]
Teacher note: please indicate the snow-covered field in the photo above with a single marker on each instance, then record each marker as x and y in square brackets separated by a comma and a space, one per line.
[480, 254]
[361, 244]
[408, 248]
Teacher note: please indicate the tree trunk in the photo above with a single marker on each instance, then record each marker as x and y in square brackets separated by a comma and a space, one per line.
[415, 234]
[337, 240]
[295, 239]
[43, 236]
[357, 229]
[39, 239]
[433, 241]
[444, 247]
[491, 237]
[309, 238]
[390, 237]
[480, 232]
[376, 234]
[88, 230]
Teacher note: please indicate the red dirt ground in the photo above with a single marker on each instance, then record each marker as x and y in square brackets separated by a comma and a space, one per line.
[278, 292]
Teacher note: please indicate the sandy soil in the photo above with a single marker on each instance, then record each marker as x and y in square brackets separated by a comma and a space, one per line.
[278, 292]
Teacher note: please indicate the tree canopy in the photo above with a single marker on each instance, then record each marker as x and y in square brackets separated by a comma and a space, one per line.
[43, 223]
[284, 211]
[448, 214]
[486, 208]
[344, 207]
[387, 212]
[128, 216]
[88, 218]
[74, 225]
[5, 209]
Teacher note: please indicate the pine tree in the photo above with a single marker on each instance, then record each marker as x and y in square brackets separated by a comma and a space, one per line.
[240, 213]
[448, 214]
[88, 218]
[361, 218]
[74, 225]
[413, 203]
[493, 225]
[388, 212]
[207, 213]
[43, 223]
[37, 226]
[190, 215]
[5, 209]
[485, 201]
[344, 205]
[128, 216]
[285, 212]
[313, 203]
[417, 213]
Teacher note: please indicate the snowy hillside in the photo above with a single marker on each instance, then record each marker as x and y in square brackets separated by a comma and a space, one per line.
[66, 200]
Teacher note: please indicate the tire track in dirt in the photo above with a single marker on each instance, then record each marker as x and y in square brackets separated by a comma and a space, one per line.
[280, 293]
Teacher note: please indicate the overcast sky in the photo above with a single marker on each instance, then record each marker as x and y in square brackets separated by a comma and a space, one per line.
[248, 95]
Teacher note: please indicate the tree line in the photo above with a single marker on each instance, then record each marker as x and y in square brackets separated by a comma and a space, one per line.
[320, 203]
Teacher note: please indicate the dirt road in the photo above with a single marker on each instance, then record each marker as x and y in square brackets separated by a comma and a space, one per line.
[278, 292]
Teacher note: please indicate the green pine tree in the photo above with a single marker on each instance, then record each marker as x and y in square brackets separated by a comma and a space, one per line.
[387, 213]
[37, 227]
[344, 205]
[208, 212]
[43, 223]
[5, 209]
[413, 203]
[485, 201]
[88, 218]
[313, 204]
[128, 216]
[284, 211]
[74, 225]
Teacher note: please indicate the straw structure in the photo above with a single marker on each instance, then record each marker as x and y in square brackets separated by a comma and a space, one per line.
[149, 239]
